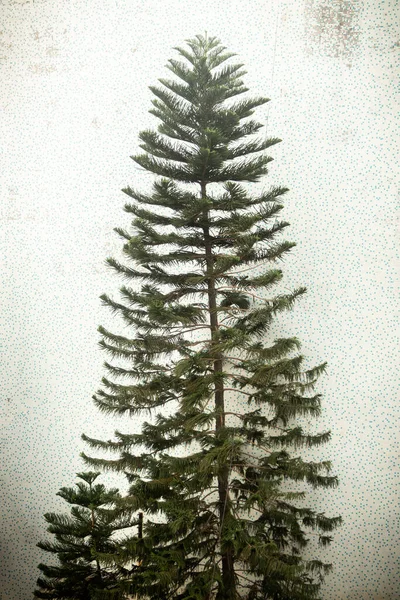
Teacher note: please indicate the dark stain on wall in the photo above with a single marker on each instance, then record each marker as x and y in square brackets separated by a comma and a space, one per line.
[332, 27]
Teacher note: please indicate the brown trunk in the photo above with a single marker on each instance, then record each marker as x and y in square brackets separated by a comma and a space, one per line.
[140, 531]
[140, 526]
[228, 591]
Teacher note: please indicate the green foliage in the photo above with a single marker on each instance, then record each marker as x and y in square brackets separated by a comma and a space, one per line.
[221, 488]
[80, 540]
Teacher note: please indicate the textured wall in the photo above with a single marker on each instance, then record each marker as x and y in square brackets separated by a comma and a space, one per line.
[73, 98]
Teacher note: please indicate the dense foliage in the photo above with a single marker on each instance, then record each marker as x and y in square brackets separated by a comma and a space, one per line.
[212, 466]
[79, 539]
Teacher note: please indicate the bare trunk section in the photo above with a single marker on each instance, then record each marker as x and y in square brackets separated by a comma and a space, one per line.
[140, 526]
[228, 591]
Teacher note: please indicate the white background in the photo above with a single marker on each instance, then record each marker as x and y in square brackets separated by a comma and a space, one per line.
[74, 95]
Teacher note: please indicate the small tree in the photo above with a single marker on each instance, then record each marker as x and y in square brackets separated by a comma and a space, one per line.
[221, 519]
[80, 539]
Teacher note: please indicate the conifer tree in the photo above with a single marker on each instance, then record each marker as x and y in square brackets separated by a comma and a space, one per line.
[79, 539]
[221, 518]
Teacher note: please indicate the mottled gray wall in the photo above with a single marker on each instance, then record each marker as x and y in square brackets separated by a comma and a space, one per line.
[73, 97]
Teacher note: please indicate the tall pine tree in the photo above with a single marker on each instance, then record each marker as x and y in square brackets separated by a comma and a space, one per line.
[79, 540]
[213, 479]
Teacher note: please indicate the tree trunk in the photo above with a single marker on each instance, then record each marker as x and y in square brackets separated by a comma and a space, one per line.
[228, 591]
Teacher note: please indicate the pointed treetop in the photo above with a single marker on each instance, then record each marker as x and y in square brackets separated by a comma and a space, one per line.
[204, 50]
[89, 476]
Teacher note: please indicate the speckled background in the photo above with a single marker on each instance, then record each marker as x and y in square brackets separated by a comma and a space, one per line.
[73, 97]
